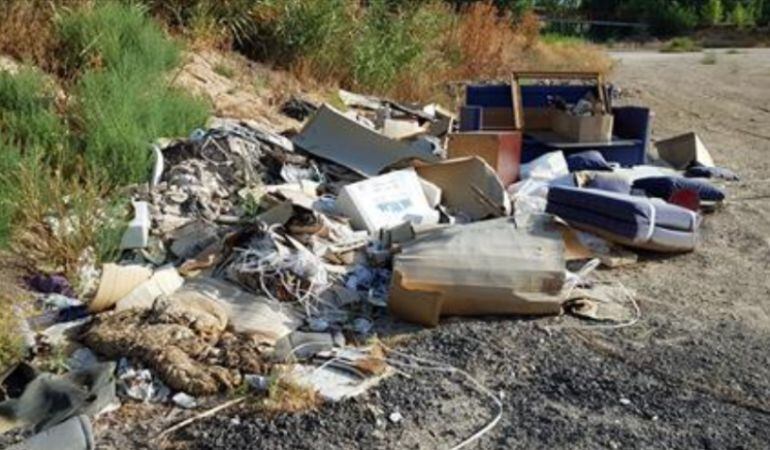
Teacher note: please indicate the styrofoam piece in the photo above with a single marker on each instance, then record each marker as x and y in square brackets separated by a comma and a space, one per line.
[137, 234]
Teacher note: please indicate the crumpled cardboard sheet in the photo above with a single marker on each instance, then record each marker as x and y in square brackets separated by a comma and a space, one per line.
[469, 186]
[489, 267]
[333, 136]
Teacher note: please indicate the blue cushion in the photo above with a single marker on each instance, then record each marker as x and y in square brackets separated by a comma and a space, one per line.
[699, 171]
[587, 160]
[664, 187]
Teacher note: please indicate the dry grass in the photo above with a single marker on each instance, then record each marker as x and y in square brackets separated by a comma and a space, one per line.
[483, 44]
[64, 224]
[27, 30]
[285, 396]
[12, 298]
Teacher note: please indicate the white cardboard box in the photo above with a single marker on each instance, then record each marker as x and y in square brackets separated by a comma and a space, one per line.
[386, 201]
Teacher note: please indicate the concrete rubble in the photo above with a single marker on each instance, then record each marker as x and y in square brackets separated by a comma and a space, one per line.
[251, 251]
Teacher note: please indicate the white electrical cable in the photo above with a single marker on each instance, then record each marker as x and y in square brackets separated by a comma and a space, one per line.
[438, 367]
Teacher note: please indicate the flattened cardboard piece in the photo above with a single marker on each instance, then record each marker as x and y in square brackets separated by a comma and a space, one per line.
[386, 201]
[489, 267]
[681, 151]
[248, 313]
[116, 282]
[479, 195]
[501, 150]
[331, 135]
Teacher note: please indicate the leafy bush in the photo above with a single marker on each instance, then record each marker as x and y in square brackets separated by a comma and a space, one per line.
[713, 12]
[58, 165]
[709, 58]
[742, 17]
[28, 112]
[318, 34]
[681, 45]
[390, 44]
[673, 18]
[30, 131]
[120, 59]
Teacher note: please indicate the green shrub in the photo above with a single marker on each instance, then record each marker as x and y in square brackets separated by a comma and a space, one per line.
[709, 58]
[120, 116]
[234, 18]
[673, 18]
[123, 101]
[388, 44]
[742, 17]
[116, 37]
[30, 133]
[28, 114]
[681, 45]
[713, 12]
[319, 31]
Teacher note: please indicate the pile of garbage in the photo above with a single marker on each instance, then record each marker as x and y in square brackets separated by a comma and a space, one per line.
[251, 250]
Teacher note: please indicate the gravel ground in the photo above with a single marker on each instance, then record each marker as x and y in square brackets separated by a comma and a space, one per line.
[693, 373]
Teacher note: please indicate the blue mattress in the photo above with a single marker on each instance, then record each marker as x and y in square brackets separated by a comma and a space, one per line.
[634, 221]
[665, 187]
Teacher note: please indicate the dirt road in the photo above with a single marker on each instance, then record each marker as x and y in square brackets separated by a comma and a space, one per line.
[693, 373]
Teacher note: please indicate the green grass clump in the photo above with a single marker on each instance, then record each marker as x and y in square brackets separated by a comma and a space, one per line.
[681, 45]
[59, 166]
[709, 58]
[120, 59]
[556, 38]
[31, 134]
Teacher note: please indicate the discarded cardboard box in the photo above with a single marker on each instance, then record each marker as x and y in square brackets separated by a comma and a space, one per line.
[333, 136]
[386, 201]
[500, 150]
[489, 267]
[683, 150]
[477, 118]
[469, 186]
[596, 128]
